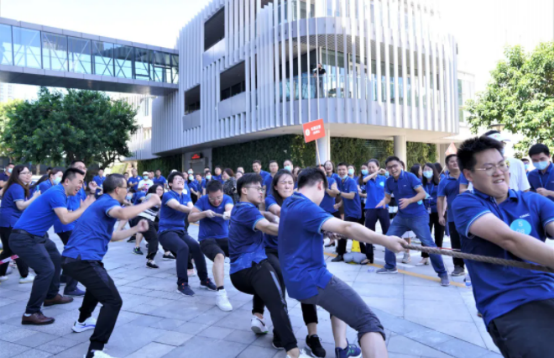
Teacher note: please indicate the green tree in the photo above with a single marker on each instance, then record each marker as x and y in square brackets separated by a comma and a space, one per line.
[85, 125]
[520, 96]
[5, 108]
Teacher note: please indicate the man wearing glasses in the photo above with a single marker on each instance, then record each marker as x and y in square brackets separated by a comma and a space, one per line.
[213, 211]
[412, 215]
[495, 221]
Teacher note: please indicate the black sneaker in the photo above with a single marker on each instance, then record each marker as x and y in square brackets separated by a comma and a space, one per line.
[132, 239]
[152, 264]
[339, 258]
[168, 257]
[314, 343]
[208, 285]
[277, 345]
[185, 289]
[137, 251]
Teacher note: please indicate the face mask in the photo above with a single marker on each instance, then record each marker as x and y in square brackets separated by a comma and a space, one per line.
[364, 172]
[208, 177]
[57, 180]
[289, 168]
[10, 170]
[428, 174]
[541, 165]
[191, 172]
[350, 171]
[526, 166]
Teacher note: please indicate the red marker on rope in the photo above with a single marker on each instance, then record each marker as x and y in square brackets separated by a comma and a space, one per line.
[11, 258]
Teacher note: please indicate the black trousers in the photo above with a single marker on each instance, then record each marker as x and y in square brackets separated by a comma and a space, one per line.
[341, 246]
[100, 288]
[309, 312]
[150, 235]
[181, 244]
[456, 243]
[23, 268]
[439, 231]
[371, 218]
[526, 331]
[262, 280]
[70, 282]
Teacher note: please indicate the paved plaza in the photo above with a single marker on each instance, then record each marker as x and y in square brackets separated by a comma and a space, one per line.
[421, 318]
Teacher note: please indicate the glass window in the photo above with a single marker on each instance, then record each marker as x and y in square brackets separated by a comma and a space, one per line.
[26, 47]
[142, 64]
[162, 67]
[79, 55]
[54, 52]
[6, 53]
[102, 58]
[175, 68]
[123, 57]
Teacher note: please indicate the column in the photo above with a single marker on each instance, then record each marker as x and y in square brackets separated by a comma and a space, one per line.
[400, 148]
[323, 148]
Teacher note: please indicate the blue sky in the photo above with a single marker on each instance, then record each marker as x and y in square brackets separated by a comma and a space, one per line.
[155, 22]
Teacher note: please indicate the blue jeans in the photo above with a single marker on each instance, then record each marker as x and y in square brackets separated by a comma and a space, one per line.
[420, 226]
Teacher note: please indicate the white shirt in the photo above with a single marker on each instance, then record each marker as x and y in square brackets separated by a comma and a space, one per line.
[148, 183]
[518, 177]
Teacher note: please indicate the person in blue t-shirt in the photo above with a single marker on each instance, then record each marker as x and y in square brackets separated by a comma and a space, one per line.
[134, 180]
[257, 168]
[431, 182]
[412, 215]
[54, 178]
[251, 272]
[15, 199]
[350, 201]
[307, 279]
[374, 181]
[287, 165]
[176, 205]
[494, 221]
[83, 254]
[332, 192]
[99, 180]
[217, 174]
[282, 188]
[205, 182]
[449, 189]
[213, 210]
[273, 169]
[542, 178]
[160, 179]
[29, 240]
[196, 186]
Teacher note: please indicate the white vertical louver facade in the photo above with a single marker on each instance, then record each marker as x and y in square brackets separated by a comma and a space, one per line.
[390, 69]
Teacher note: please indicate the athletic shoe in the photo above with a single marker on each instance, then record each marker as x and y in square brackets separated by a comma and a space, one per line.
[63, 280]
[137, 251]
[132, 239]
[185, 289]
[302, 355]
[222, 301]
[98, 354]
[3, 278]
[386, 270]
[76, 293]
[314, 343]
[445, 281]
[168, 257]
[9, 270]
[152, 264]
[191, 272]
[89, 323]
[28, 279]
[424, 262]
[257, 325]
[339, 258]
[406, 259]
[458, 271]
[351, 351]
[208, 285]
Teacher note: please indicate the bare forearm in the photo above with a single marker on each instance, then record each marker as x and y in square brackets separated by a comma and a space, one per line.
[196, 216]
[132, 211]
[71, 216]
[529, 248]
[123, 234]
[440, 206]
[361, 233]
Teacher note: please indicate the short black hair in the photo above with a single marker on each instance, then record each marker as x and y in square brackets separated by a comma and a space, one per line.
[342, 164]
[448, 158]
[56, 171]
[374, 161]
[473, 146]
[73, 162]
[71, 173]
[273, 161]
[391, 159]
[246, 179]
[538, 149]
[310, 177]
[173, 175]
[99, 169]
[525, 160]
[213, 186]
[257, 162]
[492, 131]
[112, 182]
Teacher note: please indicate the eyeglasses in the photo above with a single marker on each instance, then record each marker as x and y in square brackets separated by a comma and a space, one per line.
[259, 188]
[490, 169]
[215, 199]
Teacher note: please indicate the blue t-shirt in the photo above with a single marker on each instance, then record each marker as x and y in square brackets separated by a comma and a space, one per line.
[352, 207]
[375, 190]
[4, 177]
[270, 240]
[171, 219]
[268, 180]
[539, 180]
[73, 203]
[161, 180]
[94, 231]
[449, 187]
[99, 180]
[328, 202]
[264, 175]
[45, 185]
[9, 211]
[40, 215]
[218, 178]
[463, 179]
[500, 289]
[301, 247]
[213, 228]
[137, 197]
[246, 244]
[134, 181]
[405, 188]
[432, 191]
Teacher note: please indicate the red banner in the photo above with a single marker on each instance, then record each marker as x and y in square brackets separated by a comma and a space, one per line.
[313, 130]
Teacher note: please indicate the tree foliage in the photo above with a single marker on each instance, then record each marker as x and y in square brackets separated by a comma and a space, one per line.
[5, 108]
[520, 96]
[84, 125]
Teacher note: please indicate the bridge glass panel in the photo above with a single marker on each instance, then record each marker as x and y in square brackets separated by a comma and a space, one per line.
[102, 58]
[54, 52]
[175, 68]
[79, 55]
[124, 61]
[6, 52]
[26, 47]
[143, 66]
[162, 67]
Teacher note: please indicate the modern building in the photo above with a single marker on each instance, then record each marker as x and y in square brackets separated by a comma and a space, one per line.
[248, 70]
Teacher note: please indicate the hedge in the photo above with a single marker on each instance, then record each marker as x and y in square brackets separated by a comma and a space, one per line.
[165, 164]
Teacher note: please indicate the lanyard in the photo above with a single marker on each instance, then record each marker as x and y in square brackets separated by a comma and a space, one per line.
[432, 185]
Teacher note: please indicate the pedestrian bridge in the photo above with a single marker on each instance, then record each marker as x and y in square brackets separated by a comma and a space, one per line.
[33, 54]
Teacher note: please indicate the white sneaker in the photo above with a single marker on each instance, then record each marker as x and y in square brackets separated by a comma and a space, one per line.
[28, 279]
[89, 323]
[3, 278]
[257, 325]
[303, 354]
[222, 301]
[9, 270]
[99, 354]
[406, 259]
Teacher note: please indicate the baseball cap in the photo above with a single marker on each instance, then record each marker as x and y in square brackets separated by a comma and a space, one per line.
[145, 173]
[499, 137]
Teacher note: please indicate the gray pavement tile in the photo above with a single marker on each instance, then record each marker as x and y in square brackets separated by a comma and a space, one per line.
[173, 338]
[36, 339]
[403, 345]
[128, 338]
[215, 332]
[428, 337]
[392, 305]
[168, 324]
[146, 321]
[461, 349]
[191, 328]
[378, 289]
[17, 334]
[207, 347]
[152, 350]
[33, 353]
[466, 331]
[243, 337]
[258, 352]
[58, 345]
[444, 310]
[8, 350]
[76, 351]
